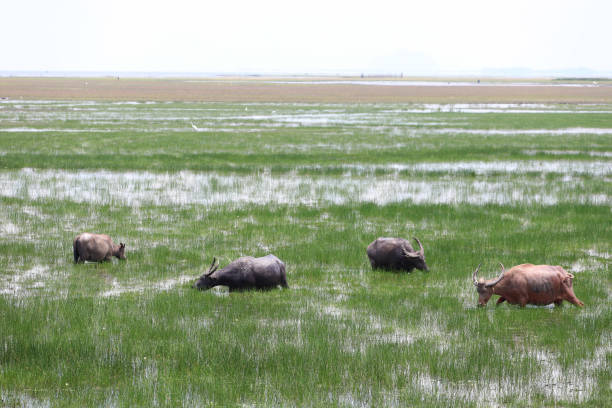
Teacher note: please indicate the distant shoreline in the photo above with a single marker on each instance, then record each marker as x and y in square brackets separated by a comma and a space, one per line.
[310, 89]
[303, 76]
[510, 75]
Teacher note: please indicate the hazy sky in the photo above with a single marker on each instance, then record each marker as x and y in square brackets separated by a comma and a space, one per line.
[274, 36]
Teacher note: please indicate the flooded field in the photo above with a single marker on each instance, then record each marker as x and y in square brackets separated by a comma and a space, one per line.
[314, 183]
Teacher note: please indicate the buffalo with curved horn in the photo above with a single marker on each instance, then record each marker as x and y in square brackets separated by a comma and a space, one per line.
[245, 273]
[396, 254]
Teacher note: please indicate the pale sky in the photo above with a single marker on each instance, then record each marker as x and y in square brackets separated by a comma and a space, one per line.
[316, 36]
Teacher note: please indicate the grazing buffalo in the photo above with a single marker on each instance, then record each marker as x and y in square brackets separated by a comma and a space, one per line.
[528, 284]
[245, 273]
[397, 254]
[96, 248]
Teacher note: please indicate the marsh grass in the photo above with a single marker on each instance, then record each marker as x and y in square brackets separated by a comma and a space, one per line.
[134, 332]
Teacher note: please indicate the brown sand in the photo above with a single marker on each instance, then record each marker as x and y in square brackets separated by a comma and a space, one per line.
[263, 90]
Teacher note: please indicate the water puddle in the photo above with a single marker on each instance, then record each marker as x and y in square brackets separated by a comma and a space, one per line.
[567, 167]
[12, 399]
[24, 283]
[118, 289]
[8, 228]
[50, 130]
[575, 384]
[567, 153]
[594, 253]
[554, 132]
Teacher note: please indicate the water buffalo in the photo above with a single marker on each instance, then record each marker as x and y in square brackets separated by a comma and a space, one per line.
[528, 284]
[96, 248]
[245, 273]
[397, 254]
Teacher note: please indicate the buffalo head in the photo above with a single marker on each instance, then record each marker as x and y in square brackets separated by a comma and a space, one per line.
[121, 251]
[485, 287]
[206, 281]
[417, 257]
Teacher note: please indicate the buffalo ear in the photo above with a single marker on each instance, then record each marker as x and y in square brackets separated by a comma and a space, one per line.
[567, 281]
[122, 245]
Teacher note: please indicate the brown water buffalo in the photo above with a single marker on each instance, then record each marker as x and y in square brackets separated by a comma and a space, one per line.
[528, 284]
[96, 248]
[245, 273]
[396, 254]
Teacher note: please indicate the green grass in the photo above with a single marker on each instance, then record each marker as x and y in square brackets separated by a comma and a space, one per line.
[135, 333]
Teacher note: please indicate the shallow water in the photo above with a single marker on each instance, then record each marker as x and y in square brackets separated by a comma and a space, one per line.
[210, 189]
[210, 116]
[117, 288]
[575, 383]
[562, 167]
[568, 153]
[555, 132]
[50, 130]
[23, 400]
[24, 283]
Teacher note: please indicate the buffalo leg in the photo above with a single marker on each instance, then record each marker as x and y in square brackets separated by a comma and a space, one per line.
[575, 301]
[569, 293]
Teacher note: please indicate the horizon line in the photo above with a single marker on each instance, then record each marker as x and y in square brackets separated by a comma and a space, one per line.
[522, 73]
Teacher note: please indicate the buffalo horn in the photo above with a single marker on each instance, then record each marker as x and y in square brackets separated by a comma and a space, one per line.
[409, 254]
[211, 269]
[501, 276]
[420, 251]
[476, 274]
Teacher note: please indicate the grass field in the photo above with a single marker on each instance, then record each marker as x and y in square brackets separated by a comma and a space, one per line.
[313, 183]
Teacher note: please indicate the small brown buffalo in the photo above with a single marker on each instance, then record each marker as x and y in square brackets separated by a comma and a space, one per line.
[528, 284]
[396, 254]
[96, 248]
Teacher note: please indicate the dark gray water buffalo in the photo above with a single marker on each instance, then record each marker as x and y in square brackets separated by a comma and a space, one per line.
[396, 254]
[96, 248]
[528, 284]
[245, 273]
